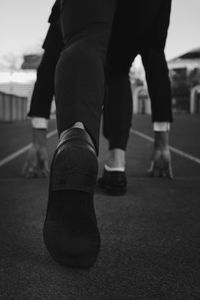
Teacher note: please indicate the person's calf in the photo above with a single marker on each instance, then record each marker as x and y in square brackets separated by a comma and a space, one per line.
[116, 159]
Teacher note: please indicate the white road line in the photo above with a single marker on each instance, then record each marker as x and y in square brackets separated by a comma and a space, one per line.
[138, 133]
[22, 150]
[175, 150]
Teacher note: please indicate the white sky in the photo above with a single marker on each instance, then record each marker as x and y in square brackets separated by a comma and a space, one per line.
[23, 24]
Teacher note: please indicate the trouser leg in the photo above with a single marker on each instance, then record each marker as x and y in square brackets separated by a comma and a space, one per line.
[152, 31]
[117, 111]
[79, 80]
[157, 76]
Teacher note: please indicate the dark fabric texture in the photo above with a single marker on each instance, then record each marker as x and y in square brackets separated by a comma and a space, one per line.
[44, 90]
[55, 12]
[99, 34]
[146, 35]
[79, 79]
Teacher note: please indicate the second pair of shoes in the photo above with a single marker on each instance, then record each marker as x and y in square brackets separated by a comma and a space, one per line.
[113, 182]
[70, 229]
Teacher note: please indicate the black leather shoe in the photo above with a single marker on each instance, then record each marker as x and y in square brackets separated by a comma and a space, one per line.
[113, 182]
[70, 229]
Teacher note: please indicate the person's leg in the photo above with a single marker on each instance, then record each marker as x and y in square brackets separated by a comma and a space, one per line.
[80, 70]
[117, 113]
[118, 104]
[117, 110]
[70, 230]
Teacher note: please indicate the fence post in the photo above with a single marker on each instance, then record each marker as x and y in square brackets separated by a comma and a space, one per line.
[193, 92]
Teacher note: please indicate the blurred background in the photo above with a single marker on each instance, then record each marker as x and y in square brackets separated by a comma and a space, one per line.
[23, 25]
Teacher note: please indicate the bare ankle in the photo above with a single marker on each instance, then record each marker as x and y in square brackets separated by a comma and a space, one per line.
[116, 158]
[78, 125]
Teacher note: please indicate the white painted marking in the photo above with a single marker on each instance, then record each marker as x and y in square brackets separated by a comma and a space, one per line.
[52, 133]
[138, 133]
[22, 150]
[175, 150]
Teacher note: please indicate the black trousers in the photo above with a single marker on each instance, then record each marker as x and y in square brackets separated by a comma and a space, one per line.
[95, 36]
[145, 36]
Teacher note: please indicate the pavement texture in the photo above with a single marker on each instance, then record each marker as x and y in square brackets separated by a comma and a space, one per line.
[150, 236]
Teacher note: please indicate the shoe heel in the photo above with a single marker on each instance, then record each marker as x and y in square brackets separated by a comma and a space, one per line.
[75, 168]
[70, 229]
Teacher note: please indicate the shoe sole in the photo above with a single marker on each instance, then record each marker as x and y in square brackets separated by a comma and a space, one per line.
[74, 167]
[113, 191]
[77, 172]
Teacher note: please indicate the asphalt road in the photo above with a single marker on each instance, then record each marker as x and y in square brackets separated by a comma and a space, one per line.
[150, 237]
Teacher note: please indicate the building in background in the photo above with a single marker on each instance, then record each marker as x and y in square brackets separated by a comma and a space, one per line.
[16, 86]
[185, 79]
[31, 61]
[184, 73]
